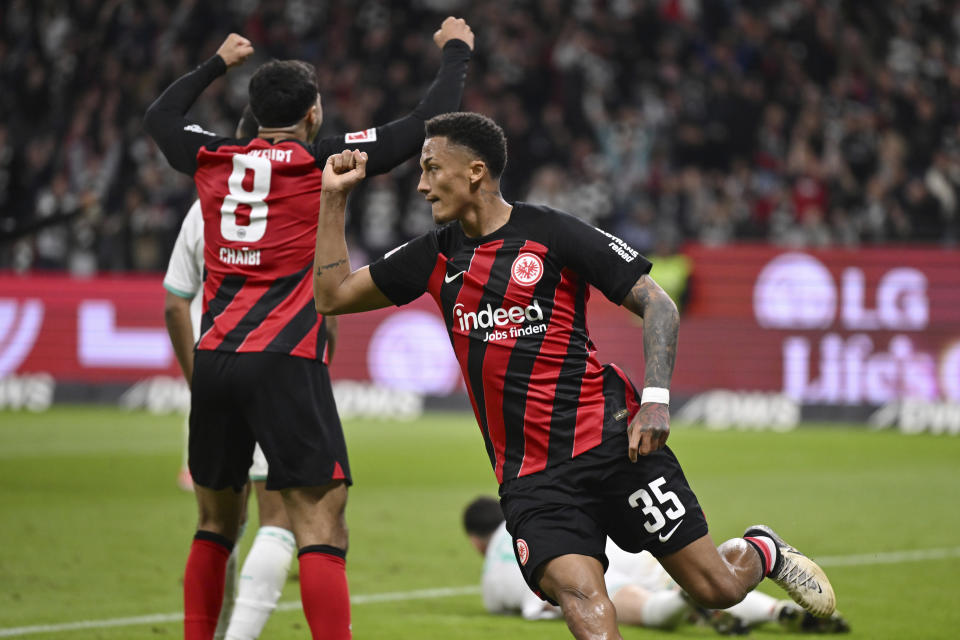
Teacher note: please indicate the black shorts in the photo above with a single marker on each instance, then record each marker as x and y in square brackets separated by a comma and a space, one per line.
[573, 507]
[283, 402]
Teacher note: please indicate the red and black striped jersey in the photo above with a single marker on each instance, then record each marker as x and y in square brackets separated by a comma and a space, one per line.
[259, 203]
[260, 200]
[514, 303]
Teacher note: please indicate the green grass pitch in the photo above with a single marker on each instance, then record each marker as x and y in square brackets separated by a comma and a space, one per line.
[94, 530]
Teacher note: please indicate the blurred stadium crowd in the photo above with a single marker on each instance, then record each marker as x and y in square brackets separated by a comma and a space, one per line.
[797, 122]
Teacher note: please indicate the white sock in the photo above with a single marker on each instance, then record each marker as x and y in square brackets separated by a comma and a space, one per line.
[664, 609]
[261, 582]
[755, 608]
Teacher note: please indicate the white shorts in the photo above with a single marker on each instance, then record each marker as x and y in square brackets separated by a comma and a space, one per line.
[258, 470]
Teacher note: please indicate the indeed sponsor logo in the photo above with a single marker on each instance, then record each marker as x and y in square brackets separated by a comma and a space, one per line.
[489, 318]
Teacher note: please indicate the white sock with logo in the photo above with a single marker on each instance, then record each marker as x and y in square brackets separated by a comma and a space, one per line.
[261, 582]
[755, 608]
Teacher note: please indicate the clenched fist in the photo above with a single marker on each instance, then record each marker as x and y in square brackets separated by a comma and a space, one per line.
[344, 171]
[454, 29]
[235, 49]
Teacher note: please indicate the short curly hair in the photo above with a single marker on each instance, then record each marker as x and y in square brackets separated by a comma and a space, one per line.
[282, 91]
[476, 132]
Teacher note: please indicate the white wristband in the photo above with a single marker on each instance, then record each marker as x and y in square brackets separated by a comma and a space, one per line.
[655, 394]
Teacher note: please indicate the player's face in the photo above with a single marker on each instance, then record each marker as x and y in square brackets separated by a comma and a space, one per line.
[445, 179]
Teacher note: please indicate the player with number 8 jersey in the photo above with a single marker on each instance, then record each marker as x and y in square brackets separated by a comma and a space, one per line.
[261, 198]
[260, 372]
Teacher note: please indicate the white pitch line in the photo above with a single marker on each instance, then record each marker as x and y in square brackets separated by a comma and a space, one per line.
[396, 596]
[887, 557]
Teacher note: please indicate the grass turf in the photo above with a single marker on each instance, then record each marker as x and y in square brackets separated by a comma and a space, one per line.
[93, 528]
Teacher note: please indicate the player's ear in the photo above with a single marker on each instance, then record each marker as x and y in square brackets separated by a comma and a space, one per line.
[478, 169]
[315, 113]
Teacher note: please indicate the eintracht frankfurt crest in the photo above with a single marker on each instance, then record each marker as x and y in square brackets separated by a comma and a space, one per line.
[527, 269]
[523, 552]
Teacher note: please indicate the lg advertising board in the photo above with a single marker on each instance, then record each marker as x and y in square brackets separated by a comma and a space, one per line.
[829, 328]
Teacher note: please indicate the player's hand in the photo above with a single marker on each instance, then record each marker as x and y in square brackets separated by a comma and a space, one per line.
[235, 49]
[649, 429]
[344, 171]
[454, 29]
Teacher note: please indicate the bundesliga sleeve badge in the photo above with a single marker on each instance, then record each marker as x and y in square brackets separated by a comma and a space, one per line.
[367, 135]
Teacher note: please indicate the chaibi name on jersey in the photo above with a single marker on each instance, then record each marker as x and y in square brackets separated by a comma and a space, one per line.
[489, 318]
[244, 256]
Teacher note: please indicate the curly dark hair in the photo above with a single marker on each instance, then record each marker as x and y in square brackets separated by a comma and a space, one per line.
[476, 132]
[282, 91]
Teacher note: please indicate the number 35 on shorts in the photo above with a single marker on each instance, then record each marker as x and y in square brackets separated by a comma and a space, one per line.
[659, 506]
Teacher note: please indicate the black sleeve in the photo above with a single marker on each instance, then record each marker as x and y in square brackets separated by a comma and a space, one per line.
[390, 144]
[604, 260]
[178, 138]
[403, 274]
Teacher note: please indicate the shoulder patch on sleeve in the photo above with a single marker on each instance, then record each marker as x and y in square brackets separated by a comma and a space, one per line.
[195, 128]
[394, 250]
[367, 135]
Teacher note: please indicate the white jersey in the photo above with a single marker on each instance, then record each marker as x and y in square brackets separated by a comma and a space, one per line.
[184, 276]
[504, 589]
[506, 592]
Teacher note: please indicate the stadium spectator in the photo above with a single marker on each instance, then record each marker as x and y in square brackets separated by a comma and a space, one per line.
[656, 88]
[563, 433]
[260, 372]
[642, 592]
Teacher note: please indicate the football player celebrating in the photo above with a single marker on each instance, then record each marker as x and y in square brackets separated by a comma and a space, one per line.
[260, 373]
[580, 455]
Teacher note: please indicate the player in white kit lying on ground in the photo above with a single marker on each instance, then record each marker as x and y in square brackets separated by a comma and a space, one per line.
[642, 591]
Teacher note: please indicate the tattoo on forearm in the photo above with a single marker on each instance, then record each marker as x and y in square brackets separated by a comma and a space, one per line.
[333, 265]
[661, 324]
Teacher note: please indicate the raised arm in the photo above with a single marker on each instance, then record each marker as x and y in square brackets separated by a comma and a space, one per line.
[178, 138]
[336, 289]
[401, 139]
[650, 427]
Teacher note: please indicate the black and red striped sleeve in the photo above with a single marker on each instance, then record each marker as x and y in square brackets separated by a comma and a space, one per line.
[178, 138]
[390, 144]
[403, 274]
[602, 259]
